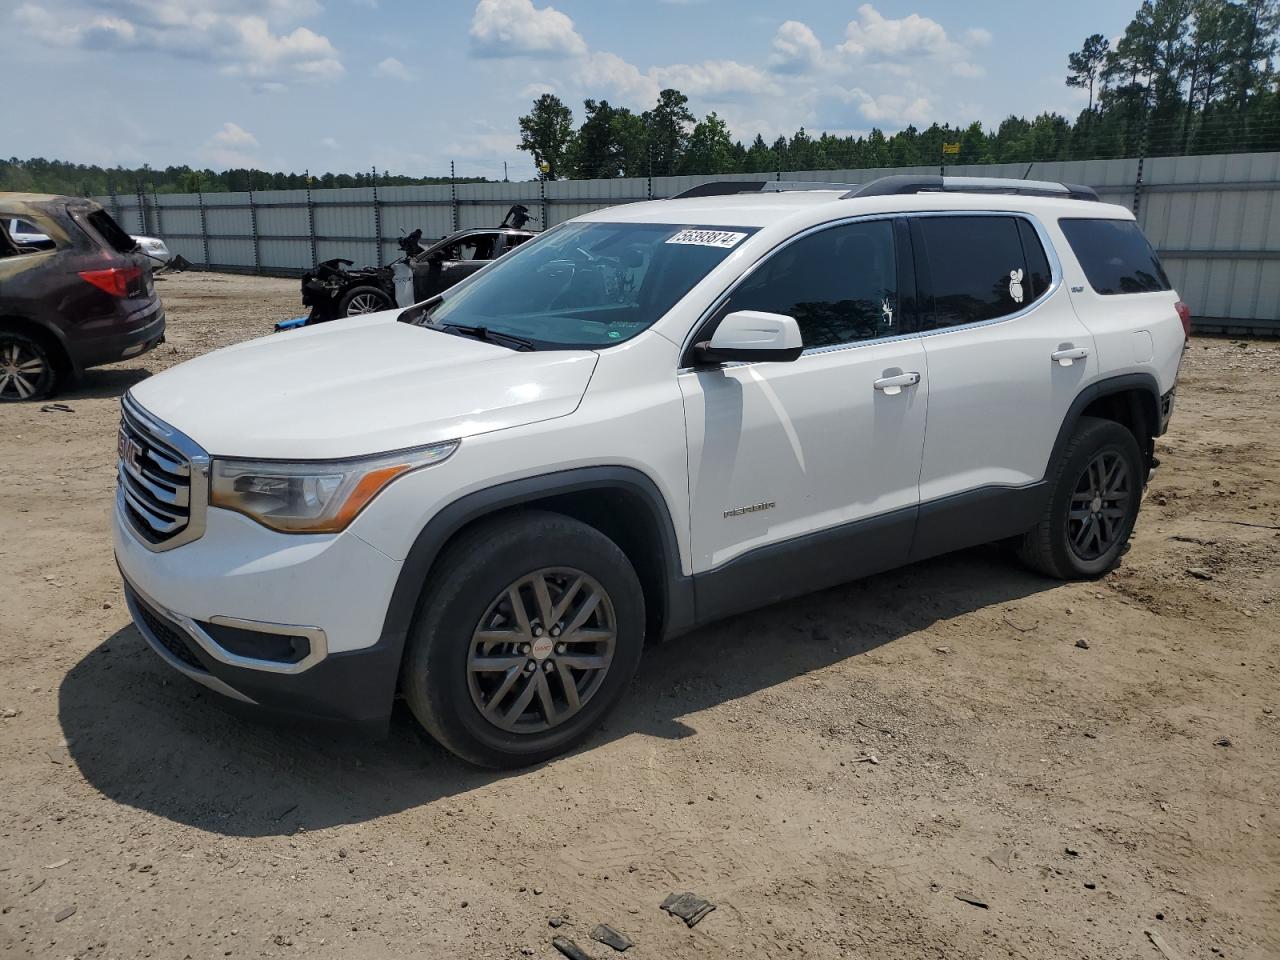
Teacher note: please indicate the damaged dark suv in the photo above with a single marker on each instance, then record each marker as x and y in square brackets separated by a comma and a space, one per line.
[82, 296]
[332, 289]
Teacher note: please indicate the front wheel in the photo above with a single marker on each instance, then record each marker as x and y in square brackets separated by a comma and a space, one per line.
[360, 300]
[527, 639]
[1092, 506]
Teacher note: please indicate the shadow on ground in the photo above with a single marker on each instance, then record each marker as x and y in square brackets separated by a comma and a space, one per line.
[100, 384]
[148, 737]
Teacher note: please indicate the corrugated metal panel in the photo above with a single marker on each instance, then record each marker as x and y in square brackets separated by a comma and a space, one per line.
[1214, 219]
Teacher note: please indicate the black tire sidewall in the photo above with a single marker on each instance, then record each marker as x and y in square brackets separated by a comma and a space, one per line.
[435, 677]
[354, 292]
[49, 379]
[1097, 437]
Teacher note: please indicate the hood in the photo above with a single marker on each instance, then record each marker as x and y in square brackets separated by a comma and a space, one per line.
[360, 386]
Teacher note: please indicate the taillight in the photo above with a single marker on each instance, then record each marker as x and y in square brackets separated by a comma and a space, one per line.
[1184, 314]
[113, 280]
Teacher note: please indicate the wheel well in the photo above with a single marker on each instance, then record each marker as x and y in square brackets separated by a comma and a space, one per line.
[43, 336]
[1134, 409]
[622, 516]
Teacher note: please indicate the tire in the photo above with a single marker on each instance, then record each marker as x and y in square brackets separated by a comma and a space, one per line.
[468, 661]
[361, 300]
[28, 370]
[1092, 506]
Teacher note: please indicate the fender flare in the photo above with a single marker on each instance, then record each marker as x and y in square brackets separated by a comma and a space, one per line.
[1145, 382]
[50, 330]
[427, 546]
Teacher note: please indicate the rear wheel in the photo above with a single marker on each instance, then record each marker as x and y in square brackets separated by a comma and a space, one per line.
[27, 370]
[1092, 507]
[527, 639]
[360, 300]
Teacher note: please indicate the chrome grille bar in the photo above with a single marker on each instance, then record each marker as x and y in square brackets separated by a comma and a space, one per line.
[163, 479]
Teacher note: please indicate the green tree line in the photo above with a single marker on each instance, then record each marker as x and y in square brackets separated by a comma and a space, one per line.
[1185, 77]
[39, 175]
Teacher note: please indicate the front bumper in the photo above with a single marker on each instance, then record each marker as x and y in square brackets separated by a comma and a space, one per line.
[333, 589]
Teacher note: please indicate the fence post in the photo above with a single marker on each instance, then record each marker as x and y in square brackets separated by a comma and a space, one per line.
[142, 208]
[453, 196]
[542, 203]
[1142, 157]
[115, 202]
[377, 218]
[155, 205]
[253, 226]
[311, 221]
[204, 227]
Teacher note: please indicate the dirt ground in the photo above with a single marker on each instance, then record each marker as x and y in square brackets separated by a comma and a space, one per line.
[1083, 795]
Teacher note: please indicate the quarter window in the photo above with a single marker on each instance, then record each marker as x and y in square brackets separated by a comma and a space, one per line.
[840, 284]
[1116, 257]
[979, 268]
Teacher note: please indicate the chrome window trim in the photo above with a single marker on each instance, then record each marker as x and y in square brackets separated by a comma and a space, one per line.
[1051, 254]
[197, 476]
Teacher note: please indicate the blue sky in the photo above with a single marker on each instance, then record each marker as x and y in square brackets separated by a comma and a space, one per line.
[409, 85]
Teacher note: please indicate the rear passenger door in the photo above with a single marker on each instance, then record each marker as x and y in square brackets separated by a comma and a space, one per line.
[1006, 357]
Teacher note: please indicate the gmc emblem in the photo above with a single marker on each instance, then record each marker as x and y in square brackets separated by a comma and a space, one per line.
[129, 450]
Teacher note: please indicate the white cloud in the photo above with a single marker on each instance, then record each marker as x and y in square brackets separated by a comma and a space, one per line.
[234, 135]
[796, 48]
[889, 108]
[876, 39]
[716, 79]
[711, 80]
[392, 69]
[246, 38]
[329, 142]
[601, 72]
[516, 28]
[533, 91]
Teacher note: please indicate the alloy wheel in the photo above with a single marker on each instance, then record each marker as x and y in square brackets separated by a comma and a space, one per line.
[365, 303]
[542, 650]
[1100, 505]
[21, 370]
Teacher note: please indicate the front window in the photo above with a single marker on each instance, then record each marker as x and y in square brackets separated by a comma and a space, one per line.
[586, 285]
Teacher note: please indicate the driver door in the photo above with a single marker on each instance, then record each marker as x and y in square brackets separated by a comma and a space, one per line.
[806, 474]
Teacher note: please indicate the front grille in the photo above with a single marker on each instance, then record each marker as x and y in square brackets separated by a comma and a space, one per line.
[155, 478]
[166, 633]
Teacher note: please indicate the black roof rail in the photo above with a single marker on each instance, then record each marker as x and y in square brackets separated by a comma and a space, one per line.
[915, 183]
[728, 188]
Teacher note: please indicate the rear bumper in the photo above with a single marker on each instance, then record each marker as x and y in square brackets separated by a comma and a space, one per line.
[134, 337]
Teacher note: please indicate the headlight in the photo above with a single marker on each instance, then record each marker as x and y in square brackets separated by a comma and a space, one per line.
[317, 496]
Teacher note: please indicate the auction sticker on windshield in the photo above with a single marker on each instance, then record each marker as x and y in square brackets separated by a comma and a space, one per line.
[708, 238]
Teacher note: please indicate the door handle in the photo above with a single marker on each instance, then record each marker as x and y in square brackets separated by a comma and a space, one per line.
[891, 386]
[1069, 355]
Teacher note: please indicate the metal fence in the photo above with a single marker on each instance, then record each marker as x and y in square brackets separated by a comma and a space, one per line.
[1215, 220]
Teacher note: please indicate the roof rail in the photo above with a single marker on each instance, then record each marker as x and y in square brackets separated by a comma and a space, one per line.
[727, 188]
[914, 183]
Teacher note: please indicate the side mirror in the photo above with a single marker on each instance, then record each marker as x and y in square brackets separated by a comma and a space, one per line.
[750, 335]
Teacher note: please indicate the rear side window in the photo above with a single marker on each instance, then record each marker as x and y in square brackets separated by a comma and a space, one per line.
[1116, 257]
[840, 284]
[110, 231]
[978, 268]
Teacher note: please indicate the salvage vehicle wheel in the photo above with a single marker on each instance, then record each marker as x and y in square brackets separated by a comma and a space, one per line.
[527, 636]
[1093, 504]
[27, 371]
[360, 300]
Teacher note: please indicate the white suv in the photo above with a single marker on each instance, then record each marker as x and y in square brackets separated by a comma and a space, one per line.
[649, 417]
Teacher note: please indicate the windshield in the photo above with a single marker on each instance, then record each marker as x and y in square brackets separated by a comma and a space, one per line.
[586, 284]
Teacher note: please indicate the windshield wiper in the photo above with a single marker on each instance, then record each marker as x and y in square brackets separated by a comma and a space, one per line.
[488, 336]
